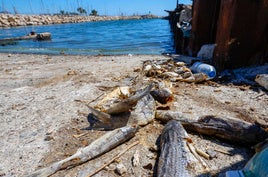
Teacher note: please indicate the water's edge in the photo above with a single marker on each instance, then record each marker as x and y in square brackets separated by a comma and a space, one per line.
[147, 36]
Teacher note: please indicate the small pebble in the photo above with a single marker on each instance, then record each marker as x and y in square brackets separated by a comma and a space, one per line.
[120, 169]
[136, 159]
[48, 138]
[212, 154]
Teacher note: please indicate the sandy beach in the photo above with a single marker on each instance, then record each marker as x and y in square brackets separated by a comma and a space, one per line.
[41, 108]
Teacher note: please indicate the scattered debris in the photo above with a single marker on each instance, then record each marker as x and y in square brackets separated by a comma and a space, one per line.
[138, 107]
[172, 71]
[116, 157]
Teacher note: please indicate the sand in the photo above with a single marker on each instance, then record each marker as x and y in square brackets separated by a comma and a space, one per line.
[41, 110]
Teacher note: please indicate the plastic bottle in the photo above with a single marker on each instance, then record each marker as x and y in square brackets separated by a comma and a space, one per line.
[199, 67]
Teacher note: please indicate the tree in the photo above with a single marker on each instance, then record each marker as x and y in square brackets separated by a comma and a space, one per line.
[94, 12]
[81, 10]
[62, 12]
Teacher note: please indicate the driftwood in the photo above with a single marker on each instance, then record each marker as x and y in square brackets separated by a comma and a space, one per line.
[39, 36]
[231, 129]
[98, 147]
[173, 160]
[234, 130]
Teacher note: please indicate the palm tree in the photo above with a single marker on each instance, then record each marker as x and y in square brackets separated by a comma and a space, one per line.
[81, 10]
[94, 12]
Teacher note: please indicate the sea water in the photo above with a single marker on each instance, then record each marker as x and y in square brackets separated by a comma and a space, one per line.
[146, 36]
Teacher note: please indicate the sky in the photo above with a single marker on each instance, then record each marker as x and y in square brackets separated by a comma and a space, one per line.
[103, 7]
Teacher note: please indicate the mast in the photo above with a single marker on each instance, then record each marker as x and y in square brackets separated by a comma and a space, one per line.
[15, 10]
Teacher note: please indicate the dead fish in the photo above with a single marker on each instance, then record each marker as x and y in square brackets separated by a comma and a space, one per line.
[101, 116]
[112, 97]
[170, 74]
[144, 111]
[128, 103]
[163, 96]
[98, 147]
[181, 70]
[173, 159]
[196, 78]
[166, 116]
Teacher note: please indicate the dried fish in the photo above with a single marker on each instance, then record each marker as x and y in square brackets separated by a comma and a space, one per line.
[98, 147]
[173, 160]
[112, 97]
[166, 116]
[128, 103]
[144, 112]
[170, 74]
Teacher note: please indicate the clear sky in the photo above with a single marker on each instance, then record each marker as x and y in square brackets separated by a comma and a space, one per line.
[103, 7]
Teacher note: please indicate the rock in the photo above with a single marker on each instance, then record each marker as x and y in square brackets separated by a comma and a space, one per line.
[22, 20]
[120, 169]
[262, 80]
[11, 20]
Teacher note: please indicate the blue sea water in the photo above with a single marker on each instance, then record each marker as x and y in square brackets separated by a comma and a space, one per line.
[147, 36]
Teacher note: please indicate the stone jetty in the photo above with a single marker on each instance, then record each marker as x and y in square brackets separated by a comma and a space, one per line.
[11, 20]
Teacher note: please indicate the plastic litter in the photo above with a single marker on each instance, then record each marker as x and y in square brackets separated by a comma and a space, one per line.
[256, 166]
[199, 67]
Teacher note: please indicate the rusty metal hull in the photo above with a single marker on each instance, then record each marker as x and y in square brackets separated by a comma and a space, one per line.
[238, 27]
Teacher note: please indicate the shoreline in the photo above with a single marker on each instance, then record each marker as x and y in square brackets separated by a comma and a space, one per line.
[11, 20]
[40, 112]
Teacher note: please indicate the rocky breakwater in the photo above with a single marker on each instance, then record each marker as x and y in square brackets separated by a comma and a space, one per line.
[10, 20]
